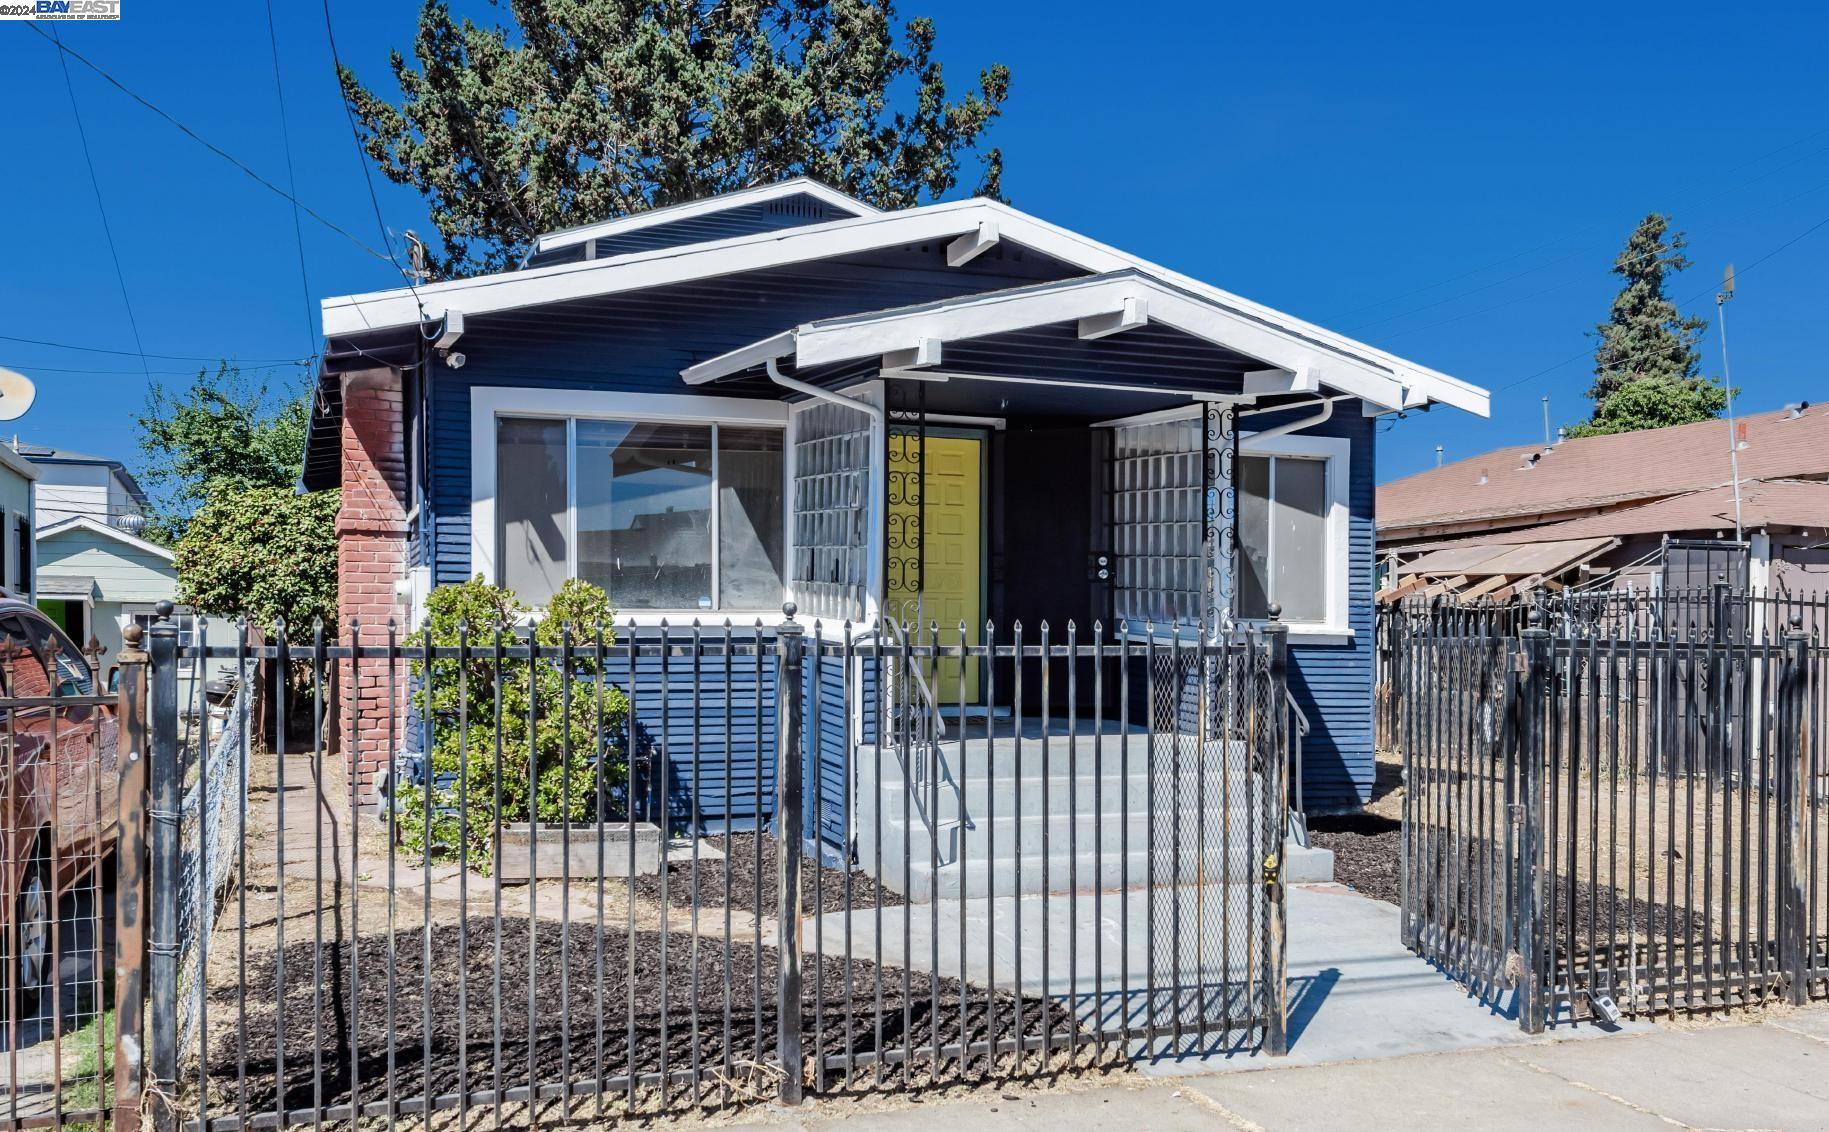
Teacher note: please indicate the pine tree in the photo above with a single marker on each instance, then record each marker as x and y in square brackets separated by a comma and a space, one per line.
[1647, 371]
[590, 109]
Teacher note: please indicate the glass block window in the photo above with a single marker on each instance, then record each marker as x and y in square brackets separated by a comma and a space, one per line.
[831, 567]
[1157, 477]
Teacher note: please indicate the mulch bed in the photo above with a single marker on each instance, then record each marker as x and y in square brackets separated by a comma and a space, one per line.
[1366, 850]
[755, 890]
[548, 1022]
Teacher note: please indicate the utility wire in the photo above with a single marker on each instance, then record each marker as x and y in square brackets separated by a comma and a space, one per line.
[213, 148]
[330, 33]
[147, 372]
[95, 185]
[133, 354]
[1568, 235]
[1820, 224]
[285, 134]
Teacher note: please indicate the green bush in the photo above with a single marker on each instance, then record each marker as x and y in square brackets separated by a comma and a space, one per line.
[553, 779]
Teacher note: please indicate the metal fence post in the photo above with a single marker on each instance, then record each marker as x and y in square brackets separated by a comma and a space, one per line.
[1792, 750]
[1276, 642]
[790, 647]
[130, 883]
[164, 882]
[1531, 737]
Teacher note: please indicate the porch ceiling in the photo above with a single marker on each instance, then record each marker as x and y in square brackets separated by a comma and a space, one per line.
[1124, 331]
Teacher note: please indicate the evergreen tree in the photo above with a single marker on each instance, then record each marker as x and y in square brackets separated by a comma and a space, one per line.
[1647, 371]
[591, 109]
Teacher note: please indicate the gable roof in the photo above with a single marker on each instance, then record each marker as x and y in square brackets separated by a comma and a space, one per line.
[85, 522]
[1102, 306]
[981, 222]
[676, 214]
[1763, 503]
[1606, 471]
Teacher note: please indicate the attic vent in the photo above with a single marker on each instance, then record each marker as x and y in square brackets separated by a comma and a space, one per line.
[804, 207]
[1530, 461]
[1796, 409]
[1483, 477]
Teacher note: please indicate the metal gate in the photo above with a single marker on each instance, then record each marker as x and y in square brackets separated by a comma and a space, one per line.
[1620, 818]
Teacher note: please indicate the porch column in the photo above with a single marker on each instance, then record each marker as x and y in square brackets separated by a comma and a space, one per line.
[1219, 535]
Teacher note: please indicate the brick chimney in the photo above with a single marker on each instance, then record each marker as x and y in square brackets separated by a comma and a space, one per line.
[371, 558]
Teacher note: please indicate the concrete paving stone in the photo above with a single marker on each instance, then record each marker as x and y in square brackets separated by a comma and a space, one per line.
[1465, 1090]
[1157, 1109]
[1811, 1022]
[1719, 1077]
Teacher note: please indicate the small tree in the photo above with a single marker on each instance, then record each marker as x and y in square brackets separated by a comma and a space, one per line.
[268, 552]
[480, 774]
[1647, 371]
[226, 432]
[590, 109]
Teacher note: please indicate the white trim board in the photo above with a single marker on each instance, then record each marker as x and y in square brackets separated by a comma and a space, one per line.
[487, 402]
[1301, 364]
[1338, 452]
[354, 314]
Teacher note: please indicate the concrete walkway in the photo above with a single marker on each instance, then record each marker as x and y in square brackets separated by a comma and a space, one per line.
[1768, 1075]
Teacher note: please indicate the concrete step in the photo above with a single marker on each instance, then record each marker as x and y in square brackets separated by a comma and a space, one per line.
[1085, 871]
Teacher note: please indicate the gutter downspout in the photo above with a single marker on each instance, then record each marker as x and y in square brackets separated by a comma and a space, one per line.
[775, 375]
[1326, 414]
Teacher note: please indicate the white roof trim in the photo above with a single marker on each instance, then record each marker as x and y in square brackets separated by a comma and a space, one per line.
[17, 464]
[899, 332]
[86, 523]
[353, 314]
[761, 194]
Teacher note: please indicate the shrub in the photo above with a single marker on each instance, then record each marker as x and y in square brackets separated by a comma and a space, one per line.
[566, 774]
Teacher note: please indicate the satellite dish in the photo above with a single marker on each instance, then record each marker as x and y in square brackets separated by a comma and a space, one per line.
[16, 393]
[1727, 281]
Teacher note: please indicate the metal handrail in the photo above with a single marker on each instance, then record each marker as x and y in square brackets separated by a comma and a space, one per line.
[923, 735]
[1298, 814]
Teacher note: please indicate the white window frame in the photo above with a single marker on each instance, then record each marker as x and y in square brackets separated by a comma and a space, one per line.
[490, 403]
[1337, 453]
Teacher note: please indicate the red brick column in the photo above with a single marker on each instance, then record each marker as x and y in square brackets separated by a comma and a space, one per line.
[371, 558]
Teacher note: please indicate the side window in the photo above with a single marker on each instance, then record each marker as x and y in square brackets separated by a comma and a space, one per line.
[21, 664]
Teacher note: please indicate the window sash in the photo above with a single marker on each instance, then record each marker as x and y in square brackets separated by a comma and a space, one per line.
[716, 488]
[1270, 515]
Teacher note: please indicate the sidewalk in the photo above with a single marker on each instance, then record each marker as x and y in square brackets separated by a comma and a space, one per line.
[1768, 1075]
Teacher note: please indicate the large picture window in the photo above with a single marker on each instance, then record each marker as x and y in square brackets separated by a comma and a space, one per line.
[1282, 536]
[663, 516]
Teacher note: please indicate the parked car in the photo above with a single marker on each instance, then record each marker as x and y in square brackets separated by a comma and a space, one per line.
[58, 790]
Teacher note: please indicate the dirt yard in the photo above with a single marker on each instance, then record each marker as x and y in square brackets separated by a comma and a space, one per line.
[457, 986]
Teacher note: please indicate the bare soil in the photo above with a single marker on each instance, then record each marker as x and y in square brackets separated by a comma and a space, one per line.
[755, 888]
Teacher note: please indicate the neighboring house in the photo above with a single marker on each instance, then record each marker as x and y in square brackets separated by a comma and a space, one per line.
[1645, 511]
[95, 579]
[712, 408]
[18, 559]
[75, 483]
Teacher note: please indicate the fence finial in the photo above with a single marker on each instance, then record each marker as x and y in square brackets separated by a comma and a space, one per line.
[1275, 610]
[788, 609]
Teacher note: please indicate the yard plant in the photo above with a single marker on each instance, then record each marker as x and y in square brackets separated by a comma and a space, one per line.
[545, 763]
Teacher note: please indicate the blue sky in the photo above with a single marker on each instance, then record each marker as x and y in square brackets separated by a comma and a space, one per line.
[1448, 183]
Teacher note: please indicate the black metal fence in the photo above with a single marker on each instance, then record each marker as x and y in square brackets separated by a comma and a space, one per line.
[476, 876]
[1615, 815]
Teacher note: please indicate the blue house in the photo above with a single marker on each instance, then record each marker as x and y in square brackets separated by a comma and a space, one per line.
[714, 408]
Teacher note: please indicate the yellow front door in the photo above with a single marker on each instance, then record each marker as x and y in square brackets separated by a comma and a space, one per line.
[936, 526]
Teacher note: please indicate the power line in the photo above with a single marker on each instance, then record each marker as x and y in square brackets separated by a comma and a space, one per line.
[285, 134]
[330, 33]
[212, 147]
[1820, 224]
[95, 185]
[1568, 235]
[25, 368]
[133, 354]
